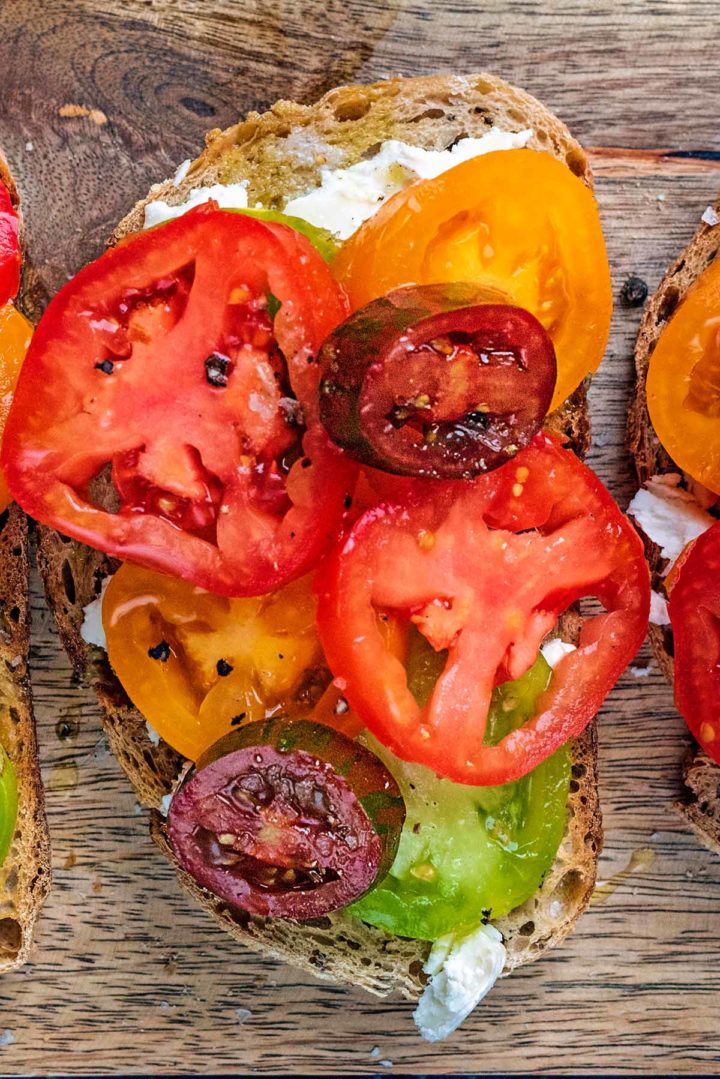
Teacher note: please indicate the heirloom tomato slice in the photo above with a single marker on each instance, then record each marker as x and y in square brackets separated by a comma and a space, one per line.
[179, 368]
[515, 220]
[483, 570]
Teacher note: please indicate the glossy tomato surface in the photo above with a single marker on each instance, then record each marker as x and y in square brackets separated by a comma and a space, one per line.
[515, 220]
[463, 849]
[8, 803]
[181, 361]
[287, 819]
[436, 381]
[683, 382]
[483, 570]
[694, 609]
[199, 665]
[10, 255]
[15, 336]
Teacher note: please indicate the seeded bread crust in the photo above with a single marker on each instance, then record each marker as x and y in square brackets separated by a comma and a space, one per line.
[700, 801]
[280, 154]
[25, 873]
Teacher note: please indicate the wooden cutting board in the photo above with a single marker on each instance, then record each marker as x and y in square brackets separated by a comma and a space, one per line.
[97, 101]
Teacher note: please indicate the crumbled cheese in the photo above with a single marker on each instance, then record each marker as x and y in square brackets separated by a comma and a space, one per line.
[640, 672]
[710, 217]
[669, 515]
[659, 610]
[152, 734]
[229, 196]
[182, 171]
[165, 804]
[347, 197]
[92, 630]
[461, 973]
[553, 651]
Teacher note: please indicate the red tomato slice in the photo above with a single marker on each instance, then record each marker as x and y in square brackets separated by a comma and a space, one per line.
[10, 257]
[183, 359]
[484, 570]
[694, 608]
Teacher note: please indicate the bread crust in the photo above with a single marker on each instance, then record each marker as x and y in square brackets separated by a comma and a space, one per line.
[700, 800]
[25, 872]
[279, 154]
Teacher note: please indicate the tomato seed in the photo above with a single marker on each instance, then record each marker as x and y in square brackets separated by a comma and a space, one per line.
[160, 651]
[217, 368]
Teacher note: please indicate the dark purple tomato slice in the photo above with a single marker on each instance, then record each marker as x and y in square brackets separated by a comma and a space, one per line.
[436, 381]
[287, 819]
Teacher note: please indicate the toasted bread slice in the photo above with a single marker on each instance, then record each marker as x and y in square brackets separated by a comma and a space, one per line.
[700, 802]
[280, 154]
[25, 873]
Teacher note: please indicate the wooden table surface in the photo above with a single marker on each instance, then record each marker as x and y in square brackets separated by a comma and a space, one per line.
[127, 975]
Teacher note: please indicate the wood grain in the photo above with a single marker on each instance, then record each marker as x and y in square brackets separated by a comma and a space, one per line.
[127, 976]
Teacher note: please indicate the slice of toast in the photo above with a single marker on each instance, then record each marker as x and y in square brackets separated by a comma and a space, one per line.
[279, 154]
[700, 801]
[25, 873]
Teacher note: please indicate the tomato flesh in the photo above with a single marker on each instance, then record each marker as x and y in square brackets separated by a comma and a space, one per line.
[436, 381]
[198, 665]
[183, 360]
[10, 256]
[287, 820]
[683, 382]
[466, 850]
[514, 220]
[483, 570]
[15, 336]
[8, 803]
[694, 609]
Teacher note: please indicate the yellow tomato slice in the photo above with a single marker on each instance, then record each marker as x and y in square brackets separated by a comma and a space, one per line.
[15, 334]
[683, 383]
[196, 665]
[515, 220]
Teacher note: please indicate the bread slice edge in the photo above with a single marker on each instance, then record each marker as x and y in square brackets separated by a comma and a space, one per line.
[26, 871]
[699, 803]
[280, 153]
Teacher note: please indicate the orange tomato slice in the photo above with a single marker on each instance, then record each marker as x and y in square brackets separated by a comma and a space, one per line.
[683, 383]
[15, 334]
[197, 665]
[515, 220]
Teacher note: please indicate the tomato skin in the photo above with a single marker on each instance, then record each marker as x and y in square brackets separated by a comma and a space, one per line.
[287, 819]
[198, 665]
[516, 220]
[8, 803]
[10, 255]
[15, 336]
[694, 609]
[438, 381]
[466, 849]
[682, 388]
[71, 417]
[450, 560]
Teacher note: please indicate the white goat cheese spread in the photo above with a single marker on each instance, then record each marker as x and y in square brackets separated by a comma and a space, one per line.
[92, 630]
[347, 197]
[669, 515]
[461, 973]
[555, 650]
[228, 196]
[659, 609]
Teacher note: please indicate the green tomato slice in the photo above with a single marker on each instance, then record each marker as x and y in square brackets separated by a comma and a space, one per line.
[8, 803]
[322, 240]
[468, 851]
